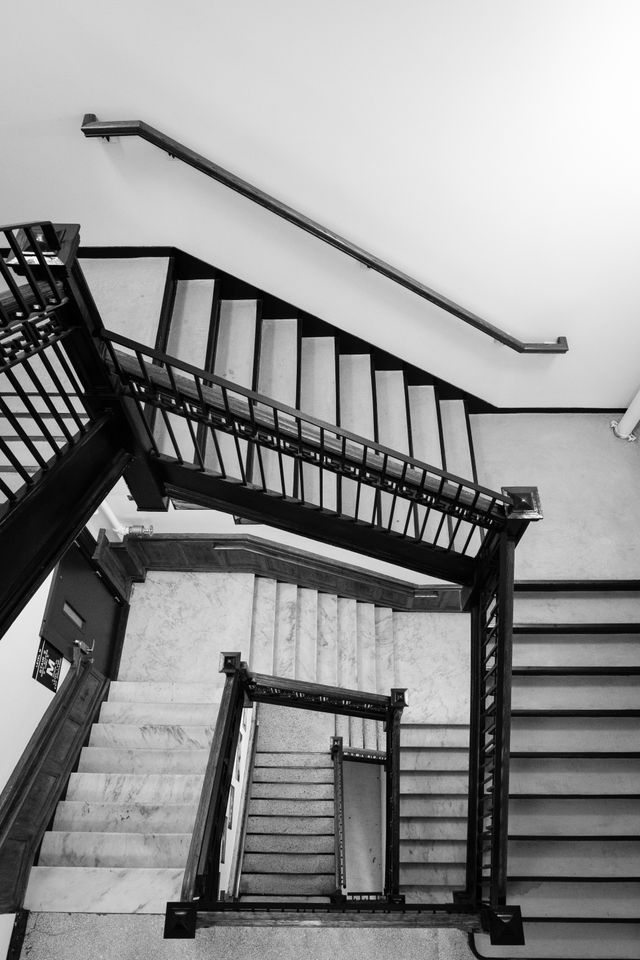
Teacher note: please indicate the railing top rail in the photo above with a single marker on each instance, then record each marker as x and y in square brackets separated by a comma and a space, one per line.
[501, 501]
[305, 686]
[92, 127]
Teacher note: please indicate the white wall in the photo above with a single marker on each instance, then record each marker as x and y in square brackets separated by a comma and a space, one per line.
[484, 148]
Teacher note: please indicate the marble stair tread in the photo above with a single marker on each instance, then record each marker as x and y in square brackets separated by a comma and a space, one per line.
[366, 667]
[574, 776]
[128, 293]
[157, 691]
[433, 874]
[428, 782]
[102, 889]
[385, 653]
[287, 883]
[153, 735]
[306, 641]
[185, 714]
[425, 427]
[278, 363]
[236, 341]
[456, 438]
[290, 775]
[427, 758]
[558, 816]
[288, 862]
[284, 654]
[123, 817]
[292, 791]
[565, 858]
[263, 626]
[145, 787]
[393, 432]
[447, 736]
[355, 389]
[576, 650]
[433, 806]
[289, 843]
[602, 734]
[433, 828]
[191, 320]
[118, 760]
[347, 657]
[318, 398]
[327, 647]
[299, 825]
[571, 899]
[567, 693]
[291, 808]
[94, 849]
[573, 941]
[433, 851]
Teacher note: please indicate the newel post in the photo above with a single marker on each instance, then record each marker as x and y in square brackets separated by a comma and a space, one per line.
[397, 704]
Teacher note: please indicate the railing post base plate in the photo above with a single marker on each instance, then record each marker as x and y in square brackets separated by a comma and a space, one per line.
[504, 925]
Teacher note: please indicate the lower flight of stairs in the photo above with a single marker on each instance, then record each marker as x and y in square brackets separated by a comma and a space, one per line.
[574, 820]
[120, 837]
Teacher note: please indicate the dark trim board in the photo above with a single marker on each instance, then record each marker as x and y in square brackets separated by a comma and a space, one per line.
[245, 553]
[577, 586]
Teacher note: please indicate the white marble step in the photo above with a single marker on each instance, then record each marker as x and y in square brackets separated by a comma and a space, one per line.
[357, 416]
[432, 875]
[128, 293]
[157, 691]
[602, 734]
[93, 849]
[263, 626]
[367, 730]
[139, 788]
[425, 435]
[447, 736]
[347, 657]
[118, 760]
[573, 941]
[575, 693]
[571, 899]
[306, 653]
[574, 776]
[191, 321]
[566, 858]
[447, 806]
[427, 782]
[184, 714]
[393, 432]
[318, 397]
[155, 736]
[414, 851]
[576, 608]
[277, 378]
[557, 816]
[576, 650]
[457, 459]
[327, 648]
[385, 651]
[124, 817]
[103, 889]
[433, 828]
[429, 758]
[284, 653]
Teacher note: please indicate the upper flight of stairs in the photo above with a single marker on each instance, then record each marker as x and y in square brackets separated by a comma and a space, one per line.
[574, 815]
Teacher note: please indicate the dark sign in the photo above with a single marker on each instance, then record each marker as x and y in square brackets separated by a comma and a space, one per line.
[48, 665]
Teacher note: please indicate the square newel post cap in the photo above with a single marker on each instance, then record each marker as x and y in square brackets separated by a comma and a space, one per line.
[336, 746]
[399, 699]
[230, 662]
[525, 503]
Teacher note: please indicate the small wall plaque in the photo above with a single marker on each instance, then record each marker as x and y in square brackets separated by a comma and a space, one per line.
[48, 665]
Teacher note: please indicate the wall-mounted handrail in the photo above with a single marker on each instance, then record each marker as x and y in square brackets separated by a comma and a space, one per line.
[92, 127]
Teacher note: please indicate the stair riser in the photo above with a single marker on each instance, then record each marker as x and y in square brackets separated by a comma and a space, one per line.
[113, 850]
[298, 825]
[126, 788]
[598, 858]
[602, 734]
[292, 791]
[573, 899]
[183, 714]
[112, 760]
[288, 863]
[432, 851]
[575, 693]
[427, 759]
[102, 889]
[591, 817]
[167, 692]
[278, 843]
[124, 817]
[152, 736]
[291, 884]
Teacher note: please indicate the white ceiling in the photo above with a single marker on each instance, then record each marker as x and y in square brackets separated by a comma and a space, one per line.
[488, 148]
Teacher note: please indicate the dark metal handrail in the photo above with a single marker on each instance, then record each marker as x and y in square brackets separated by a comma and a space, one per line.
[92, 127]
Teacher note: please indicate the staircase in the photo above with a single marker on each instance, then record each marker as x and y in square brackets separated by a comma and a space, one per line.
[574, 820]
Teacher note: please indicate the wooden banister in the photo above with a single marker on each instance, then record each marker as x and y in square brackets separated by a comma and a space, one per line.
[92, 127]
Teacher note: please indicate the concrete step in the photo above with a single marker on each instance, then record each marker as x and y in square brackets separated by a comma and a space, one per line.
[567, 693]
[289, 843]
[293, 759]
[558, 816]
[113, 760]
[292, 791]
[128, 293]
[576, 649]
[139, 788]
[602, 734]
[114, 817]
[93, 849]
[566, 858]
[574, 776]
[102, 889]
[184, 714]
[301, 824]
[318, 397]
[433, 828]
[289, 775]
[572, 899]
[432, 851]
[571, 941]
[291, 808]
[427, 758]
[155, 736]
[263, 626]
[284, 654]
[157, 691]
[190, 321]
[306, 654]
[327, 662]
[287, 733]
[287, 884]
[288, 863]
